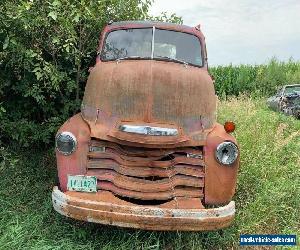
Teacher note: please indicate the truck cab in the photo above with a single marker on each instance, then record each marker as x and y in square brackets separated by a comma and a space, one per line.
[146, 151]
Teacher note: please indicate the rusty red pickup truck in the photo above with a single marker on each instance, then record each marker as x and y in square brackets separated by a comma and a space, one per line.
[146, 151]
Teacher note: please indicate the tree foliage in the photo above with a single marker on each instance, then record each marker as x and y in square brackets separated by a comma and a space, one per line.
[46, 50]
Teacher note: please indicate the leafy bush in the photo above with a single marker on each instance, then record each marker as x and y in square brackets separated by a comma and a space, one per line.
[47, 48]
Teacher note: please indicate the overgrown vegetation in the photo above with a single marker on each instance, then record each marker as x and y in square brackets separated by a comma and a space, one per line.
[46, 50]
[257, 80]
[48, 46]
[267, 199]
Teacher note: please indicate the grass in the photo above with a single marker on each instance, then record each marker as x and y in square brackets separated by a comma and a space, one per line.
[267, 198]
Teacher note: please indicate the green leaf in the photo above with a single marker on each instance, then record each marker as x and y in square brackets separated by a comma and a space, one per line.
[38, 75]
[53, 15]
[76, 18]
[56, 3]
[6, 43]
[55, 40]
[2, 109]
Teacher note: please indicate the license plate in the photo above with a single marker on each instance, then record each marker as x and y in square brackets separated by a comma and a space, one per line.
[82, 183]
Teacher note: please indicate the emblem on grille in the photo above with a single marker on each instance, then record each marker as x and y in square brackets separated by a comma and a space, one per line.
[148, 130]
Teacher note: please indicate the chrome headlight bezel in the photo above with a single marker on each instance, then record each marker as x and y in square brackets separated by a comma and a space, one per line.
[228, 146]
[72, 139]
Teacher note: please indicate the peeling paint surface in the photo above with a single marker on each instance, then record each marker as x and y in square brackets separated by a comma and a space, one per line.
[160, 179]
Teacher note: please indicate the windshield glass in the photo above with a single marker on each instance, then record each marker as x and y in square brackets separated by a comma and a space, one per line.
[292, 89]
[128, 43]
[137, 43]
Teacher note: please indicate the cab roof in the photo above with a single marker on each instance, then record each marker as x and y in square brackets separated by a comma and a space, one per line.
[157, 24]
[149, 24]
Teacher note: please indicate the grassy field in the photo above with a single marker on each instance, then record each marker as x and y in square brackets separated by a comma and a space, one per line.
[268, 195]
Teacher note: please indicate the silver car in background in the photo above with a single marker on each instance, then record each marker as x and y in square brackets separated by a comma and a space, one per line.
[287, 100]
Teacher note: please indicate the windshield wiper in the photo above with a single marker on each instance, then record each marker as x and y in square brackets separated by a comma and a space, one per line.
[130, 58]
[159, 57]
[172, 59]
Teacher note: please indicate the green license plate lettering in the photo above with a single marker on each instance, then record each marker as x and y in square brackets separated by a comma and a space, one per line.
[81, 183]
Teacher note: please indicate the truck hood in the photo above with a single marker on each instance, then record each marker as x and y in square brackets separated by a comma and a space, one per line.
[152, 93]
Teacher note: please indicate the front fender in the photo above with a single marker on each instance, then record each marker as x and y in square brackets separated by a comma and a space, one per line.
[74, 164]
[220, 180]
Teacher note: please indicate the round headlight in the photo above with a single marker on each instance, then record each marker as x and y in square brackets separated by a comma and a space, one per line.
[227, 153]
[65, 143]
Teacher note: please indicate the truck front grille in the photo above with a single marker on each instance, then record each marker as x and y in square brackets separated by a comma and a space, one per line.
[147, 174]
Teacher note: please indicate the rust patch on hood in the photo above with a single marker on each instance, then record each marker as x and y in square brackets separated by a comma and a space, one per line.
[149, 91]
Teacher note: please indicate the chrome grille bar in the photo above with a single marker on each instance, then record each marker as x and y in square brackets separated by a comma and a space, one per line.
[149, 130]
